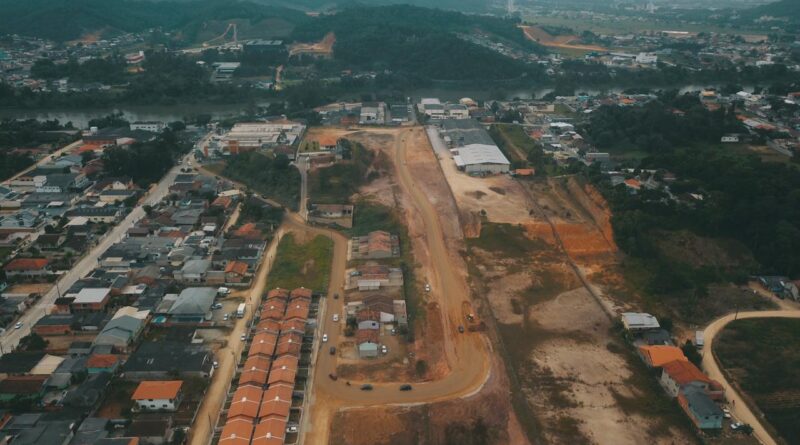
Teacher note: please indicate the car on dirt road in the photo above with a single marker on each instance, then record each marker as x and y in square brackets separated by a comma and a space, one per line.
[336, 317]
[324, 338]
[333, 376]
[333, 350]
[366, 387]
[427, 287]
[18, 325]
[335, 296]
[291, 429]
[405, 387]
[461, 329]
[384, 349]
[244, 337]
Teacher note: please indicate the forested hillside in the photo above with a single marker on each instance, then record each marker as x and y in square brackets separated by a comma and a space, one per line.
[422, 42]
[69, 19]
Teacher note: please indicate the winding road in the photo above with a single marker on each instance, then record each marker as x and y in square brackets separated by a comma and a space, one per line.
[468, 355]
[739, 408]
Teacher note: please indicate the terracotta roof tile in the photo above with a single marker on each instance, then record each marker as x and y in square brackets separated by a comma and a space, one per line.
[157, 390]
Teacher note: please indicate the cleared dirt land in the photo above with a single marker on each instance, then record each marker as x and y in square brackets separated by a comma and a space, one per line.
[479, 417]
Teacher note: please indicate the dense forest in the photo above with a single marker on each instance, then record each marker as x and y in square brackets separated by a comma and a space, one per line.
[48, 18]
[27, 133]
[420, 41]
[273, 177]
[145, 162]
[659, 126]
[744, 198]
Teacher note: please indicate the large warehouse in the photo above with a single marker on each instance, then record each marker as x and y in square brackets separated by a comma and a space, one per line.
[480, 158]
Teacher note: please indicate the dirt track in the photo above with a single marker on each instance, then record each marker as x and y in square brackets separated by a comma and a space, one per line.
[739, 408]
[467, 354]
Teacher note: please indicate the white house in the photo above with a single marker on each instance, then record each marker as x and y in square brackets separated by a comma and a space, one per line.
[158, 395]
[151, 126]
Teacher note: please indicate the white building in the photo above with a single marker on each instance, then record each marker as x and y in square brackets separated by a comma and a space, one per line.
[249, 136]
[646, 58]
[372, 113]
[158, 395]
[151, 126]
[481, 158]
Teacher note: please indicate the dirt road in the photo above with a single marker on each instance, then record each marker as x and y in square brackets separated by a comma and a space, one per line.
[211, 407]
[739, 409]
[467, 354]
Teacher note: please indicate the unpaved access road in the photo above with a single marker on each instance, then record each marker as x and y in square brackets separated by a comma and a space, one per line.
[467, 354]
[739, 408]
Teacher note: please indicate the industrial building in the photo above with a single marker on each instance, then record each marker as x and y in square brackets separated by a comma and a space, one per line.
[480, 159]
[251, 136]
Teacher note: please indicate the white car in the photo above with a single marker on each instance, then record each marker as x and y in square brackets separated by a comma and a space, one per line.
[244, 337]
[291, 429]
[225, 318]
[384, 349]
[335, 317]
[215, 365]
[324, 338]
[427, 287]
[18, 325]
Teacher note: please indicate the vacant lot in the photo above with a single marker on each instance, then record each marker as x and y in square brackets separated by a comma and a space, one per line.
[763, 357]
[578, 382]
[302, 264]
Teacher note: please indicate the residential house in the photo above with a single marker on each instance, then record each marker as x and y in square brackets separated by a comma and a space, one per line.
[376, 245]
[23, 387]
[193, 304]
[679, 374]
[91, 299]
[367, 342]
[270, 431]
[703, 411]
[107, 214]
[161, 360]
[122, 330]
[28, 268]
[193, 271]
[158, 395]
[245, 403]
[657, 356]
[237, 272]
[639, 322]
[237, 432]
[97, 363]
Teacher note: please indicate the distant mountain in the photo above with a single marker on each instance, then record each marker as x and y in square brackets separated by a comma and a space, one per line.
[70, 19]
[789, 9]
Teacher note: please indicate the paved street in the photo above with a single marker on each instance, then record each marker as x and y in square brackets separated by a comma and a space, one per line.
[10, 339]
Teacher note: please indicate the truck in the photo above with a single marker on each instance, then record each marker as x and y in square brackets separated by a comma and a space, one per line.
[240, 311]
[473, 322]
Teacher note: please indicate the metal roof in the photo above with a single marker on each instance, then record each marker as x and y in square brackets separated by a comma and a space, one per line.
[480, 154]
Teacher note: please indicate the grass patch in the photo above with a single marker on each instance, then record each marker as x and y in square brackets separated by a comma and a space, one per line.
[763, 357]
[302, 265]
[337, 183]
[505, 240]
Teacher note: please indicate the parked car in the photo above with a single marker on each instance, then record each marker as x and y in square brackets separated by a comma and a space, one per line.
[324, 338]
[335, 296]
[333, 350]
[333, 376]
[394, 331]
[461, 329]
[384, 349]
[215, 365]
[336, 317]
[427, 287]
[736, 425]
[291, 429]
[405, 387]
[366, 387]
[244, 337]
[18, 325]
[225, 318]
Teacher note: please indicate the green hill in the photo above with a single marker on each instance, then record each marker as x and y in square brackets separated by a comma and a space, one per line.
[421, 42]
[69, 19]
[789, 9]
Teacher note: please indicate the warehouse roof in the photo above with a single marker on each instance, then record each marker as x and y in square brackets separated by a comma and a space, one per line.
[473, 154]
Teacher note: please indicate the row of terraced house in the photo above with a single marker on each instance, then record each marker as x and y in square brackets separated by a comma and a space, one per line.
[264, 408]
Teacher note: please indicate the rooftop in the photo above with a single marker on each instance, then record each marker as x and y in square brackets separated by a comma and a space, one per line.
[168, 389]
